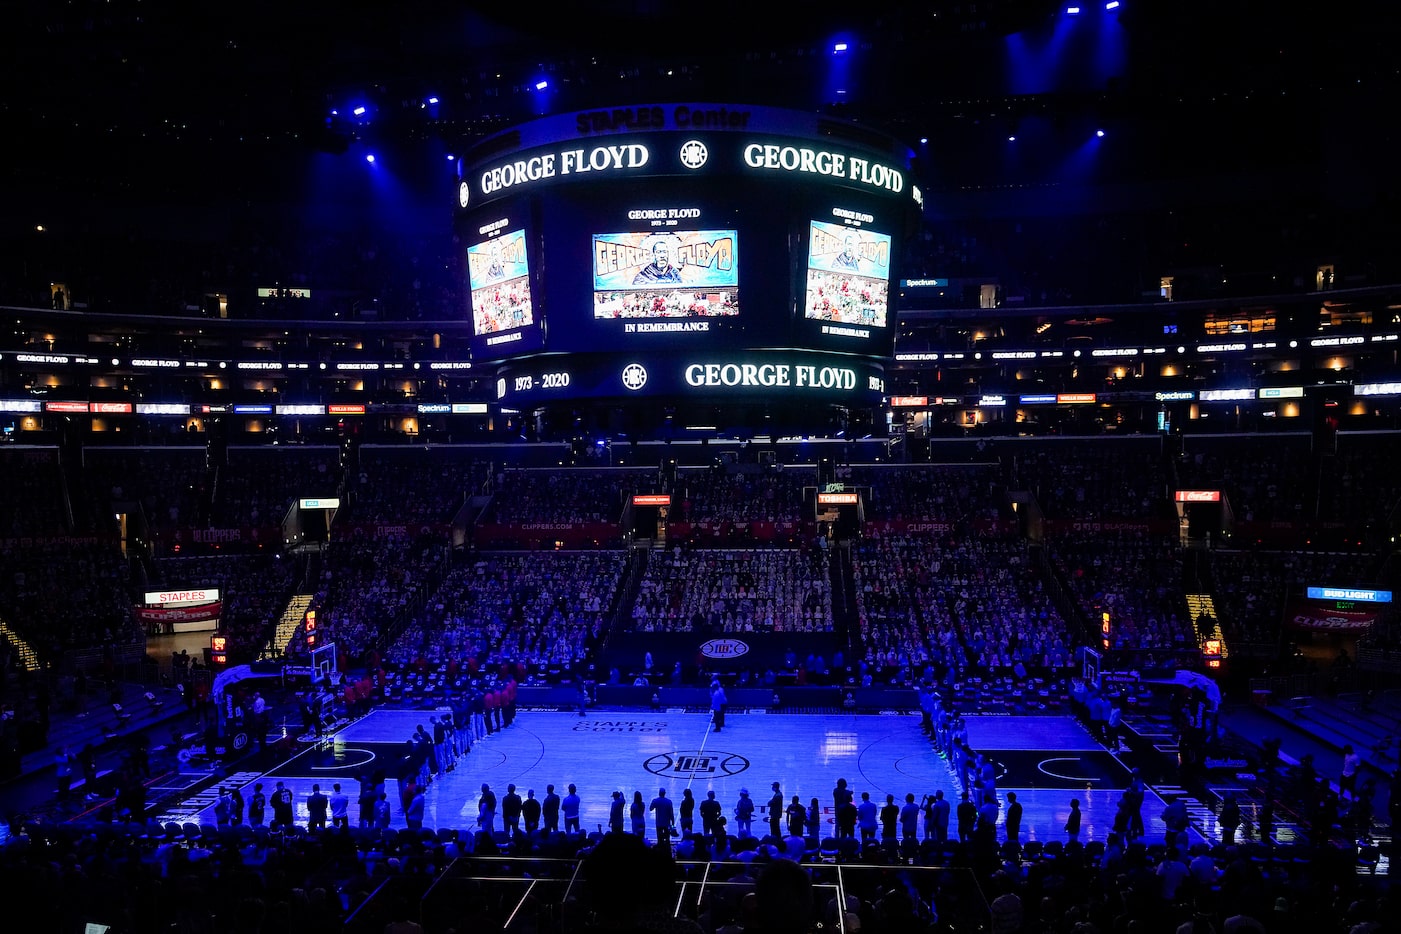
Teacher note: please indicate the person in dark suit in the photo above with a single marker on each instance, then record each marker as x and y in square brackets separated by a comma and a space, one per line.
[967, 818]
[316, 807]
[530, 810]
[549, 812]
[1013, 822]
[710, 814]
[665, 816]
[511, 807]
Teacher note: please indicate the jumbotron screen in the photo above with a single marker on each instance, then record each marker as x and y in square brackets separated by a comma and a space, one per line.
[500, 278]
[666, 274]
[683, 235]
[848, 275]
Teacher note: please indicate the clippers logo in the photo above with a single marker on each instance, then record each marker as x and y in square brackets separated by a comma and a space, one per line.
[696, 764]
[693, 154]
[634, 376]
[724, 648]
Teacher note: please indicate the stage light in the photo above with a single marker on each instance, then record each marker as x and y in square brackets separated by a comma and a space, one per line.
[839, 47]
[1099, 133]
[1112, 5]
[432, 100]
[359, 111]
[1011, 139]
[923, 140]
[1072, 11]
[451, 157]
[370, 158]
[541, 85]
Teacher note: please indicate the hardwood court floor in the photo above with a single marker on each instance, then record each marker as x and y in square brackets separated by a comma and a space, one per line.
[1046, 760]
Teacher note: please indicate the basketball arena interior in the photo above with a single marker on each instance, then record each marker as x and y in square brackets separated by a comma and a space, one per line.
[896, 467]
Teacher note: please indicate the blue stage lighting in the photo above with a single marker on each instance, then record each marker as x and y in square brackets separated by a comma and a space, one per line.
[541, 85]
[370, 158]
[1099, 132]
[1112, 5]
[451, 157]
[1011, 139]
[839, 47]
[432, 100]
[359, 111]
[1072, 11]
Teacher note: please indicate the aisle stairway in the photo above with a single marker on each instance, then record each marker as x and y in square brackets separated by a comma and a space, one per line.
[290, 621]
[1199, 605]
[24, 652]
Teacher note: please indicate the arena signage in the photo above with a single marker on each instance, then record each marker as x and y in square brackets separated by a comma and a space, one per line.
[724, 648]
[654, 154]
[1349, 593]
[182, 597]
[769, 375]
[806, 375]
[679, 117]
[651, 499]
[332, 503]
[576, 161]
[771, 156]
[838, 499]
[1198, 496]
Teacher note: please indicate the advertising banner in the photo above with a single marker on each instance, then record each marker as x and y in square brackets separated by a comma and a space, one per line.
[1317, 618]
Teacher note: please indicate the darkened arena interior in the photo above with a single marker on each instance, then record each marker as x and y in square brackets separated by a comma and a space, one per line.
[715, 469]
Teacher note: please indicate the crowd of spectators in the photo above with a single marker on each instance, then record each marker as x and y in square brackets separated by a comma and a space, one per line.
[909, 863]
[722, 590]
[257, 485]
[60, 596]
[170, 483]
[1007, 622]
[368, 585]
[1095, 482]
[1134, 576]
[537, 610]
[533, 495]
[33, 500]
[754, 494]
[1254, 587]
[927, 491]
[415, 484]
[1266, 477]
[1360, 486]
[901, 631]
[253, 588]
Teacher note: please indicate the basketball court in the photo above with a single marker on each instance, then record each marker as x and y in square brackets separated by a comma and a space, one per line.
[1046, 760]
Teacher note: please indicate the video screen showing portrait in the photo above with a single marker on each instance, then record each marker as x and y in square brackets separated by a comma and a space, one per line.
[848, 275]
[499, 277]
[666, 274]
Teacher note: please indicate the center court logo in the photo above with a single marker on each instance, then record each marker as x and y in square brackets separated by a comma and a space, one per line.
[693, 154]
[696, 764]
[634, 376]
[724, 648]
